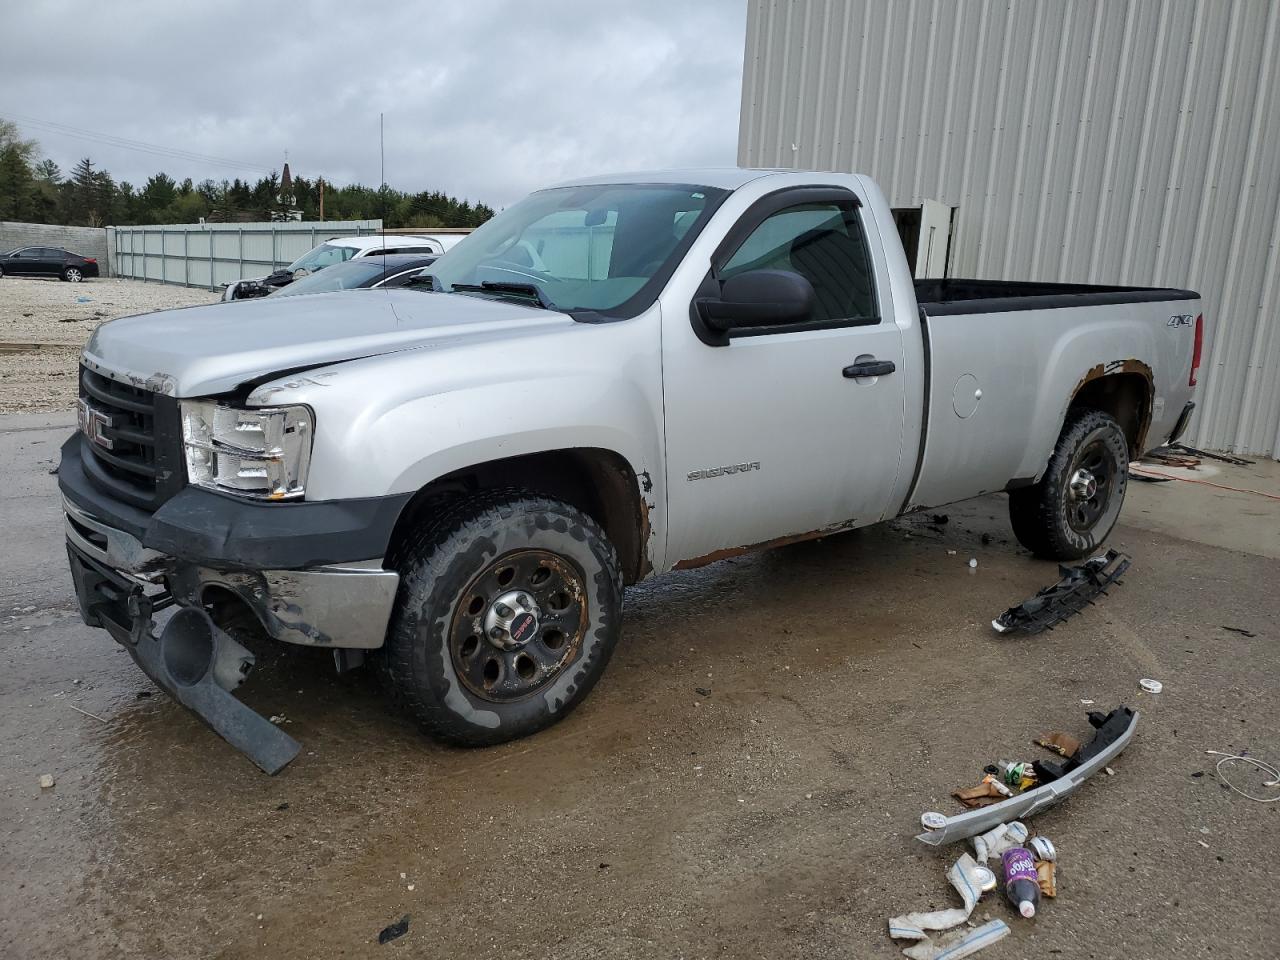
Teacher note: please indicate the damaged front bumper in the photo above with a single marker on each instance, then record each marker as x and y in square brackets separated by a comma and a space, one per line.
[189, 658]
[154, 605]
[1114, 731]
[335, 605]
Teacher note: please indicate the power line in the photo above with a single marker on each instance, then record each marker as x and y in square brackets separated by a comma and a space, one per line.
[139, 146]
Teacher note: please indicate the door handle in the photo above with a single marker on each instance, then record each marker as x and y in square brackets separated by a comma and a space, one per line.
[870, 368]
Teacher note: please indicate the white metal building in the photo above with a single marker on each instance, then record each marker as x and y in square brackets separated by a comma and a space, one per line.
[1098, 141]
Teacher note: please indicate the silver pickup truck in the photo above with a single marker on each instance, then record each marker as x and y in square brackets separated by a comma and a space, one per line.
[612, 379]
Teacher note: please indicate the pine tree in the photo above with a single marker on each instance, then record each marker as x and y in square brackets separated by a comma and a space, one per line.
[46, 171]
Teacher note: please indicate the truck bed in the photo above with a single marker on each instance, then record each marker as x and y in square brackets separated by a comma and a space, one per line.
[999, 382]
[954, 295]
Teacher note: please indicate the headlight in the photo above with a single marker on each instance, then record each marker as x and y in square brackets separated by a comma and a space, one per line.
[260, 453]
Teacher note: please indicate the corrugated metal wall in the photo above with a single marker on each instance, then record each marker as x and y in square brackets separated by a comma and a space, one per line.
[213, 254]
[1097, 141]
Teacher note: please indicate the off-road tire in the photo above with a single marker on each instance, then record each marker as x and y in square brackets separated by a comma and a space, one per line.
[439, 565]
[1040, 513]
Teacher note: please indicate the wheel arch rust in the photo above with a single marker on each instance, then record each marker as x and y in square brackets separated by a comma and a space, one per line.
[1125, 389]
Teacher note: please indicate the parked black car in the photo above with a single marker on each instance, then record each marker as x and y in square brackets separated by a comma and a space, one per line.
[47, 262]
[393, 270]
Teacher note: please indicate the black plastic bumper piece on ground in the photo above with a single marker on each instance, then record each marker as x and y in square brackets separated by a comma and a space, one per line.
[1075, 591]
[191, 659]
[227, 532]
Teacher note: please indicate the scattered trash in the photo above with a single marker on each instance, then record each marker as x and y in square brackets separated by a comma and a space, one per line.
[959, 944]
[86, 712]
[282, 806]
[1224, 457]
[989, 791]
[1203, 844]
[46, 781]
[1148, 477]
[932, 821]
[1151, 686]
[143, 695]
[702, 691]
[84, 299]
[1055, 603]
[1087, 703]
[951, 553]
[1018, 774]
[54, 471]
[1240, 630]
[1063, 744]
[1046, 877]
[1043, 848]
[395, 931]
[973, 561]
[940, 519]
[1002, 837]
[1021, 882]
[1057, 780]
[1266, 768]
[278, 719]
[969, 879]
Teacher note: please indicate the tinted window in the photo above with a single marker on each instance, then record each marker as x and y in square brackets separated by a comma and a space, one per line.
[341, 276]
[50, 253]
[824, 243]
[325, 255]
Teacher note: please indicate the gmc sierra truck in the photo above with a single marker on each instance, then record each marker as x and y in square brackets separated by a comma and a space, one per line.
[614, 378]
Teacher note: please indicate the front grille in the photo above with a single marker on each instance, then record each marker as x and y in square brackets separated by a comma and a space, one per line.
[132, 442]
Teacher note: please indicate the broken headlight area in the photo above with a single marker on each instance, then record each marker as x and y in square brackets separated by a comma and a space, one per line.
[1075, 591]
[262, 453]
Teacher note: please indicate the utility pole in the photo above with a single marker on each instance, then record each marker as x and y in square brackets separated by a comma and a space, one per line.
[321, 179]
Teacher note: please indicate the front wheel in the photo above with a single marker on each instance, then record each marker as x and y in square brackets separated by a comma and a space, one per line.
[1071, 511]
[509, 608]
[72, 275]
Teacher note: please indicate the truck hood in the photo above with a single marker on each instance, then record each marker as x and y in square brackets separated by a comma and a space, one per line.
[196, 351]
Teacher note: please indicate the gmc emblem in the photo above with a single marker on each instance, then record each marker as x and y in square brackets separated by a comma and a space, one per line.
[92, 423]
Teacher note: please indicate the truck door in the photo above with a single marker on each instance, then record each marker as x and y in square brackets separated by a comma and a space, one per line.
[792, 429]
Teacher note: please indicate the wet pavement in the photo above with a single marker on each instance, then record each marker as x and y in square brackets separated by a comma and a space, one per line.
[847, 685]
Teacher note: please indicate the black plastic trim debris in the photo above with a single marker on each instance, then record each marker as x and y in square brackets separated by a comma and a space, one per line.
[394, 931]
[1077, 589]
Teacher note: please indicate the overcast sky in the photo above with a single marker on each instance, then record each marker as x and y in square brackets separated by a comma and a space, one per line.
[484, 99]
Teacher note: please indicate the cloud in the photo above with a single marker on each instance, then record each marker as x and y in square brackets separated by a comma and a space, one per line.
[485, 99]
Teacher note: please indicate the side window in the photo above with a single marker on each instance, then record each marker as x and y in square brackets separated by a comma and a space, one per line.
[824, 243]
[49, 253]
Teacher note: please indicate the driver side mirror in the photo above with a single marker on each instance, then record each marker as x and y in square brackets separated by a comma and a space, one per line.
[758, 298]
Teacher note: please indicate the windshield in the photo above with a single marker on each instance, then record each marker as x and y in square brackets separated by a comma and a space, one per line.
[325, 255]
[605, 248]
[343, 276]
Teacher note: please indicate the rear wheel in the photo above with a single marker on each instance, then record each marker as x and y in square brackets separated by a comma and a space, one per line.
[72, 275]
[1073, 508]
[509, 609]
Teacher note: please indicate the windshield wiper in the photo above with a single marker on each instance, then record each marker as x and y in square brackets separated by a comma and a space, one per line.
[529, 290]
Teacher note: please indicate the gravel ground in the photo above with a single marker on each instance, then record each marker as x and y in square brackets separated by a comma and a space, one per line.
[43, 325]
